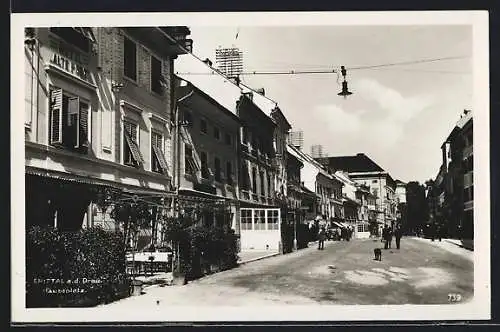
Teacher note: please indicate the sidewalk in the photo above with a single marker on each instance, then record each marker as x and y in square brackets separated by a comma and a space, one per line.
[255, 255]
[451, 245]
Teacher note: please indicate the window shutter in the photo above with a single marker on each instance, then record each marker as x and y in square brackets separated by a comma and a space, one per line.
[73, 108]
[83, 125]
[56, 116]
[161, 158]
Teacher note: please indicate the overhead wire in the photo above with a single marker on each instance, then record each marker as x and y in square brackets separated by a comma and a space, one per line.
[184, 49]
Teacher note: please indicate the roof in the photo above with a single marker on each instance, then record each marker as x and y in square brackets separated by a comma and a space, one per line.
[221, 89]
[304, 157]
[209, 98]
[352, 164]
[217, 87]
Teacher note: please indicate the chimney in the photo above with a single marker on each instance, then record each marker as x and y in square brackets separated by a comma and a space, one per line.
[249, 95]
[208, 62]
[261, 91]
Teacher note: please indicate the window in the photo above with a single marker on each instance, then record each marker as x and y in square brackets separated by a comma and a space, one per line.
[374, 181]
[363, 228]
[189, 161]
[216, 133]
[129, 59]
[204, 165]
[158, 161]
[229, 173]
[269, 185]
[259, 219]
[74, 36]
[217, 169]
[188, 117]
[227, 139]
[203, 126]
[272, 219]
[262, 184]
[244, 176]
[156, 76]
[244, 135]
[68, 121]
[131, 153]
[246, 219]
[254, 180]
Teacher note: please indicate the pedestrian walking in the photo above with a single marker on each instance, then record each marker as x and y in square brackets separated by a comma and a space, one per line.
[398, 233]
[389, 235]
[321, 238]
[385, 236]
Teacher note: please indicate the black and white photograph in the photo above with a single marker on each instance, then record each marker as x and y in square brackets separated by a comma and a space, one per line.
[250, 166]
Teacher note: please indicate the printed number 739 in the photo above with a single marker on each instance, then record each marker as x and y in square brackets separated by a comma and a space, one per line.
[454, 297]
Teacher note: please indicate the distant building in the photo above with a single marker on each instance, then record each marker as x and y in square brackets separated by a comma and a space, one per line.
[317, 151]
[402, 202]
[365, 171]
[328, 187]
[296, 139]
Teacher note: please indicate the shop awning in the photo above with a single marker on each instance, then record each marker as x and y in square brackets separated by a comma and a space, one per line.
[130, 189]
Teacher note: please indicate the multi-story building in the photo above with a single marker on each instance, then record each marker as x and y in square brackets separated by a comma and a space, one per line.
[468, 177]
[97, 116]
[356, 199]
[328, 187]
[318, 151]
[208, 151]
[401, 201]
[453, 186]
[363, 170]
[296, 138]
[260, 216]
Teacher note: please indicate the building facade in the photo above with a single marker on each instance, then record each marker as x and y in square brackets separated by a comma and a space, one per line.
[318, 151]
[365, 171]
[208, 156]
[453, 188]
[296, 139]
[260, 216]
[328, 188]
[97, 116]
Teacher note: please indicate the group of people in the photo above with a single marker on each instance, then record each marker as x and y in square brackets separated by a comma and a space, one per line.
[388, 233]
[344, 233]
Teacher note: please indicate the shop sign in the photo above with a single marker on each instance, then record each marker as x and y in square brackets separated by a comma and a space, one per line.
[69, 60]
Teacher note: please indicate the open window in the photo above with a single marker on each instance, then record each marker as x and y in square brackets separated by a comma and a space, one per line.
[131, 153]
[69, 118]
[190, 164]
[158, 161]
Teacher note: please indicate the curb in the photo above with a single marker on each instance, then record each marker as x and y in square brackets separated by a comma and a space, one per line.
[258, 258]
[459, 245]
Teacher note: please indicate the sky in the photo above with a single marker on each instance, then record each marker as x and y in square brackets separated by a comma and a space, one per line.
[398, 115]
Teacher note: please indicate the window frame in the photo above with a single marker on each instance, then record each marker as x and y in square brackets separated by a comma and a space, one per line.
[216, 130]
[125, 143]
[203, 126]
[153, 153]
[65, 119]
[154, 57]
[135, 80]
